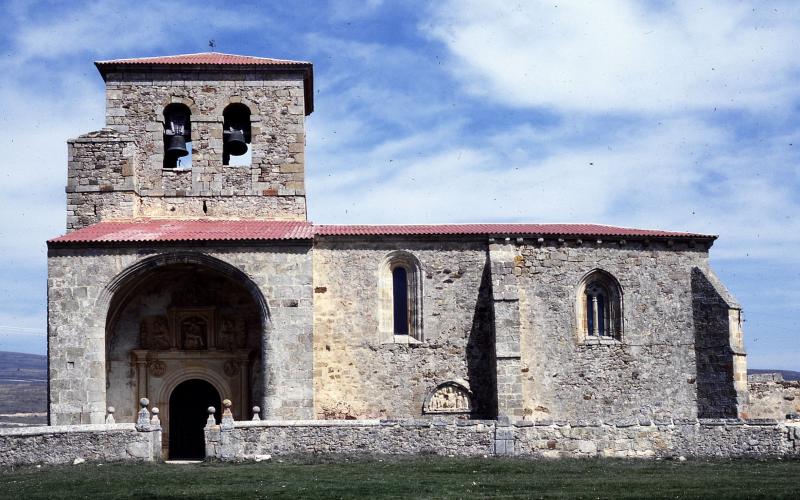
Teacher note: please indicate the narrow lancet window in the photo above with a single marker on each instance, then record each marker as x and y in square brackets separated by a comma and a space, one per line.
[400, 300]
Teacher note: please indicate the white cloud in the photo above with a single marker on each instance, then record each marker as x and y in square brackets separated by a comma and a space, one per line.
[33, 167]
[374, 83]
[623, 55]
[645, 177]
[119, 27]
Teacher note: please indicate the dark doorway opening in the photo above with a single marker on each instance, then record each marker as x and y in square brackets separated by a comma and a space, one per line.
[188, 406]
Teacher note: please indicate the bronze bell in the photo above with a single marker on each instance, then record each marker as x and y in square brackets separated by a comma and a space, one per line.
[235, 144]
[176, 145]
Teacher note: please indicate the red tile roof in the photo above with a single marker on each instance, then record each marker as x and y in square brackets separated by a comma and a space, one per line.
[498, 230]
[221, 230]
[211, 58]
[188, 230]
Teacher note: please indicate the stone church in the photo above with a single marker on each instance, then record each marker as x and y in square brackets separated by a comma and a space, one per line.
[189, 274]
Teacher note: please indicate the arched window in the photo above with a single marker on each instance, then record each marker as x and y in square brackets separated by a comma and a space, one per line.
[599, 307]
[177, 136]
[400, 298]
[236, 135]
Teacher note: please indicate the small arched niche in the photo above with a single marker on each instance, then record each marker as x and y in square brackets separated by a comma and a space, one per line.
[236, 135]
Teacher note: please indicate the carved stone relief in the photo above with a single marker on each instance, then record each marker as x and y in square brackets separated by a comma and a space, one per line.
[449, 397]
[158, 368]
[231, 368]
[155, 334]
[194, 333]
[232, 333]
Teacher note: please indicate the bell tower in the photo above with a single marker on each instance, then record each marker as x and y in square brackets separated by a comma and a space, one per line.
[194, 136]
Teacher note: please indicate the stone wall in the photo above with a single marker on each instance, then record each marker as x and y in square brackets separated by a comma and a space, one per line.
[100, 178]
[359, 372]
[501, 321]
[503, 317]
[64, 444]
[774, 398]
[542, 439]
[508, 329]
[83, 283]
[129, 158]
[705, 438]
[351, 437]
[652, 371]
[719, 349]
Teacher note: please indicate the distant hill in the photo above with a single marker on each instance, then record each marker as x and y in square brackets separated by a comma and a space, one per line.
[20, 367]
[23, 389]
[787, 374]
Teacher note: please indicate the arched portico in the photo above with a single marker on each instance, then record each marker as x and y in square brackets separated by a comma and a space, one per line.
[184, 316]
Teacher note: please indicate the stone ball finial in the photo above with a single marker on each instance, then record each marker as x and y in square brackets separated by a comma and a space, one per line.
[155, 411]
[144, 402]
[226, 403]
[111, 410]
[211, 410]
[256, 409]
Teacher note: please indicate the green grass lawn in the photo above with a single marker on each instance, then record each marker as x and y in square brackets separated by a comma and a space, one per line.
[422, 477]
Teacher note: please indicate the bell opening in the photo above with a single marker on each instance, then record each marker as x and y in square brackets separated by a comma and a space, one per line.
[236, 148]
[177, 137]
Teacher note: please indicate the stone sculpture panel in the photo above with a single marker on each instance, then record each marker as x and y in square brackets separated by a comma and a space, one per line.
[194, 333]
[450, 397]
[155, 333]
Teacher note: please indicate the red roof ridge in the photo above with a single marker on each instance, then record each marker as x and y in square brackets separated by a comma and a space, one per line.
[511, 228]
[156, 229]
[141, 230]
[480, 224]
[201, 58]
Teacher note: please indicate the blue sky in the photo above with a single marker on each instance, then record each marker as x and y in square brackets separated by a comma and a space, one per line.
[673, 115]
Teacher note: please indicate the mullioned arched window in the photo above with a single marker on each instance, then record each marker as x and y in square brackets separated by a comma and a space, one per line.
[599, 307]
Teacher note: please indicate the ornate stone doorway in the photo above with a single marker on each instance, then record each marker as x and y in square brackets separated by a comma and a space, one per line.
[187, 417]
